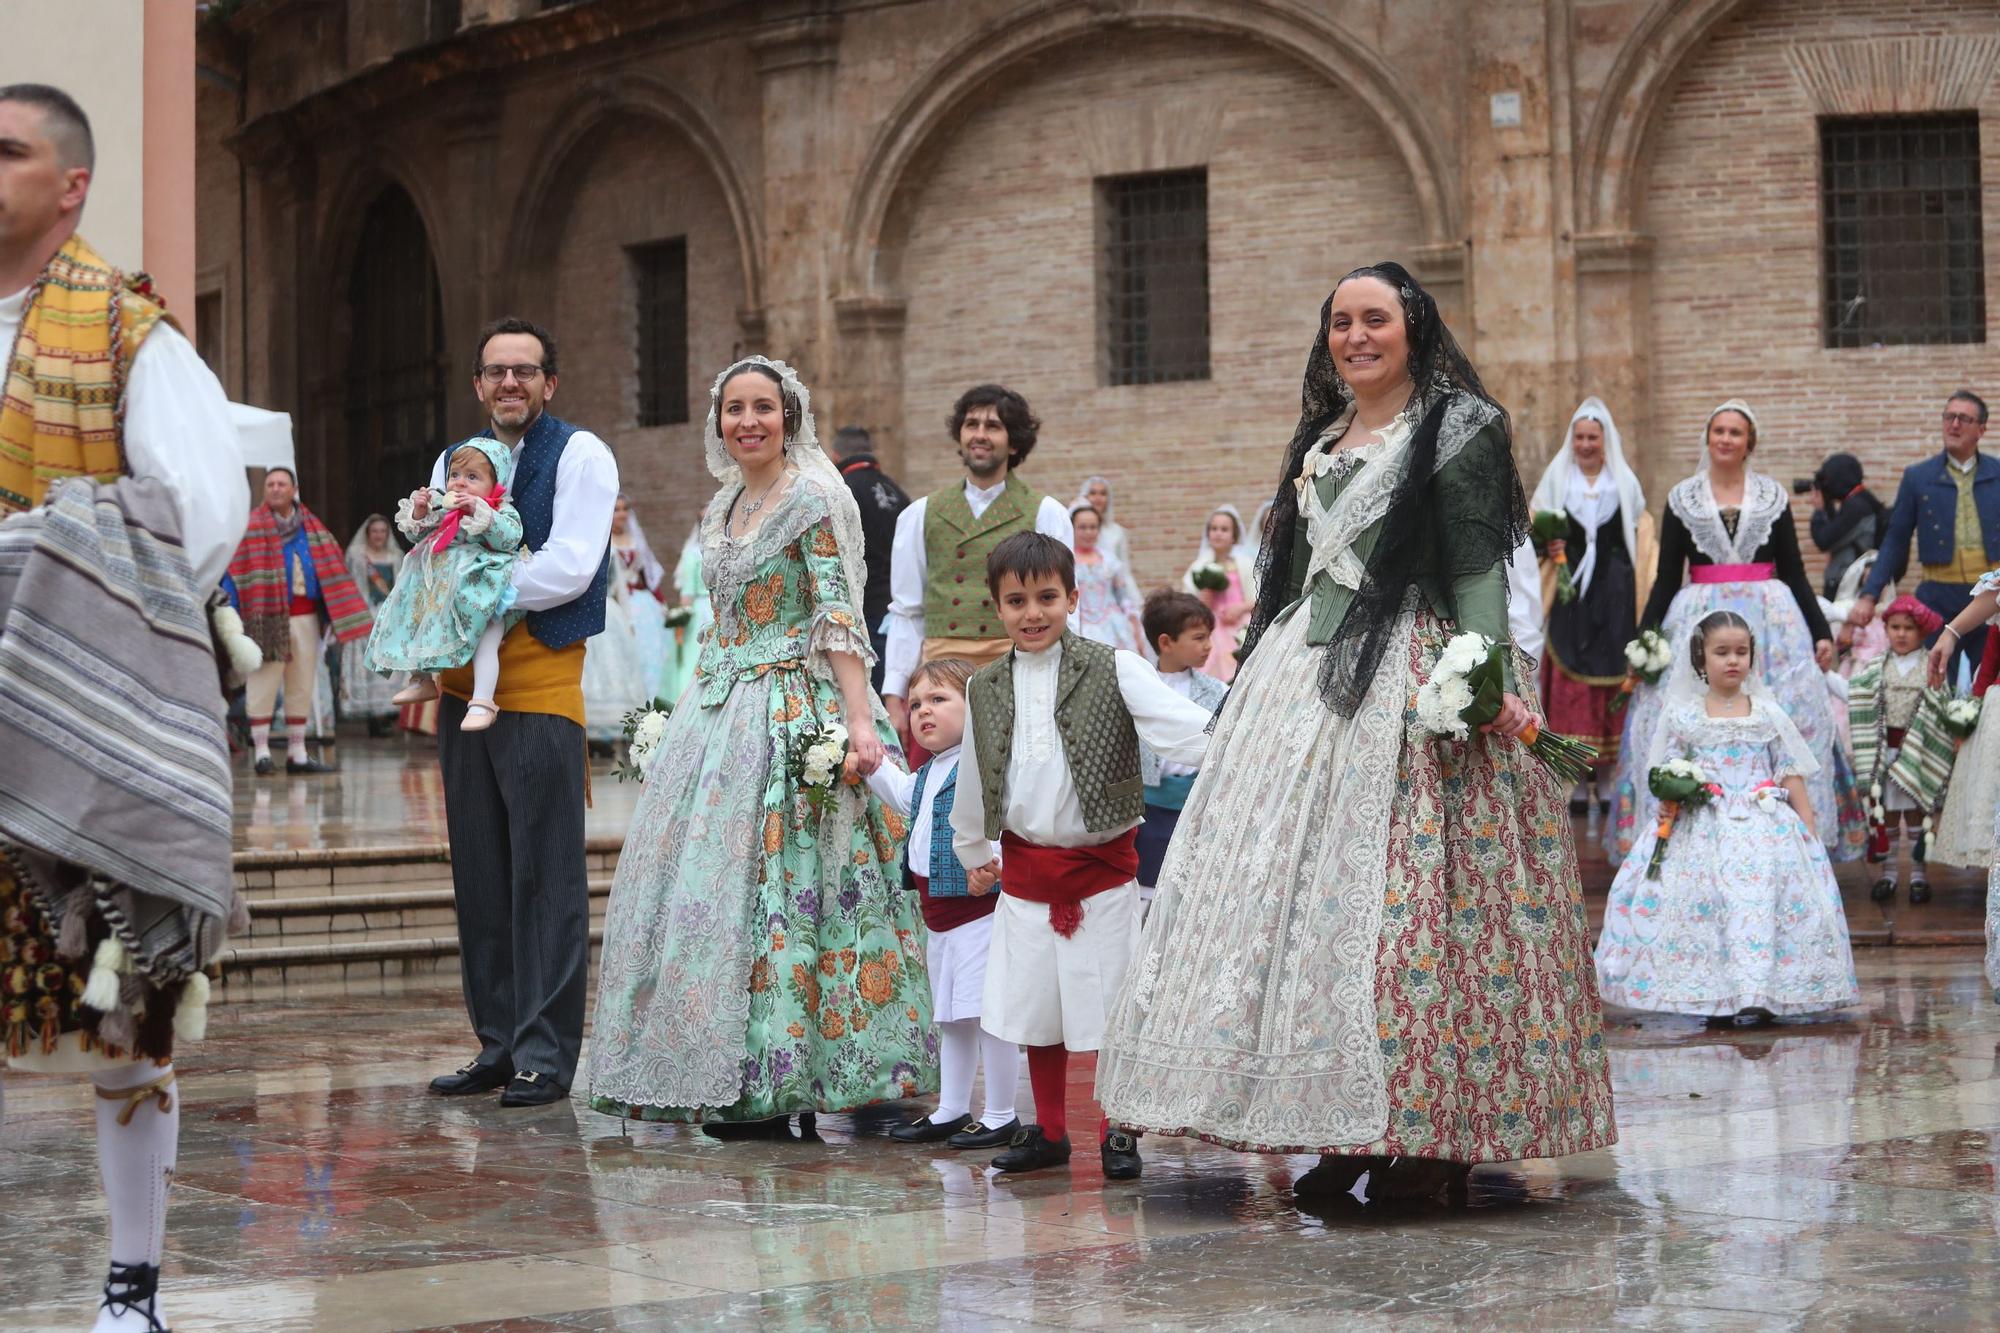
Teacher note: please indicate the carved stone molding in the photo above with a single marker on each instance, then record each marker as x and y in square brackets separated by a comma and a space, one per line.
[1155, 134]
[1875, 76]
[864, 315]
[1439, 265]
[1613, 252]
[812, 39]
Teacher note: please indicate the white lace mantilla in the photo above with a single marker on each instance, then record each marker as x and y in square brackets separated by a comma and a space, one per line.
[729, 563]
[1693, 500]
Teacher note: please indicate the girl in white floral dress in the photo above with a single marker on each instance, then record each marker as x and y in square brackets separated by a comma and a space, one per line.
[1745, 919]
[1984, 606]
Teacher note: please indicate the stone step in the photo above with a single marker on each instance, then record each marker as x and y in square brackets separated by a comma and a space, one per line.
[262, 876]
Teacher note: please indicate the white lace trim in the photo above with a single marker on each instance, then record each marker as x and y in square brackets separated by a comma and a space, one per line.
[1693, 500]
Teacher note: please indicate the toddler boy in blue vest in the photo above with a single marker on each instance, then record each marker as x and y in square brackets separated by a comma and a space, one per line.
[1050, 767]
[960, 920]
[1179, 625]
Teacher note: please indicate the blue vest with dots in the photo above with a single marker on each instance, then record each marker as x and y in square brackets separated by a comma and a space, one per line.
[946, 875]
[534, 496]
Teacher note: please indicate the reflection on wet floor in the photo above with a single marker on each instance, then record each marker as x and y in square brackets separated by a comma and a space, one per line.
[1801, 1175]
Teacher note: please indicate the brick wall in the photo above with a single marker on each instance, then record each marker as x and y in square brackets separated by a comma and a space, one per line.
[641, 183]
[1733, 198]
[999, 270]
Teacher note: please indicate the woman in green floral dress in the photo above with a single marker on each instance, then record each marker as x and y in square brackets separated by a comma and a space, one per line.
[761, 958]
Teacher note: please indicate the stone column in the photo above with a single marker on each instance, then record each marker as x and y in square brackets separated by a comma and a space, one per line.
[1615, 313]
[796, 56]
[871, 371]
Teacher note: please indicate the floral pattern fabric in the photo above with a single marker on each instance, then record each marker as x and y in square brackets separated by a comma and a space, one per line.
[1104, 609]
[760, 955]
[1745, 913]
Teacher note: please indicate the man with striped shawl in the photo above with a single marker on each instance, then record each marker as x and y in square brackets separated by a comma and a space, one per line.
[121, 497]
[1903, 753]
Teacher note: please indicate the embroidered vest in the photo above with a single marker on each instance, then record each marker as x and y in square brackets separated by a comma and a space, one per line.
[534, 496]
[947, 876]
[1099, 741]
[956, 603]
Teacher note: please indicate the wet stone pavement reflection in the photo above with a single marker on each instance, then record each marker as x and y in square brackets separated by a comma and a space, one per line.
[1802, 1175]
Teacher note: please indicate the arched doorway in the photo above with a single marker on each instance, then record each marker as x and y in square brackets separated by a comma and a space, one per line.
[395, 360]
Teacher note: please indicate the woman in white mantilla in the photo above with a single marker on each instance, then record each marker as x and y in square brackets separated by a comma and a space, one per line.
[761, 958]
[1369, 942]
[1728, 542]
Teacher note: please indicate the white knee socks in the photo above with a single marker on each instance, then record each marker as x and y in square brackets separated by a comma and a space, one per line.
[958, 1059]
[295, 742]
[260, 739]
[1003, 1073]
[136, 1160]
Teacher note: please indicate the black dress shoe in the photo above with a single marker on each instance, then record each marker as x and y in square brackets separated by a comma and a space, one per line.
[776, 1127]
[1120, 1152]
[264, 767]
[1920, 891]
[928, 1130]
[1335, 1177]
[1030, 1150]
[976, 1135]
[470, 1078]
[1884, 889]
[294, 767]
[528, 1088]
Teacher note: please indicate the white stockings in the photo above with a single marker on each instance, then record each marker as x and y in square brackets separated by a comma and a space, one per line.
[961, 1044]
[138, 1131]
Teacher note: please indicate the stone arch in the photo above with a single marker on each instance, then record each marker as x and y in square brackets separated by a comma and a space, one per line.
[535, 224]
[1609, 166]
[934, 102]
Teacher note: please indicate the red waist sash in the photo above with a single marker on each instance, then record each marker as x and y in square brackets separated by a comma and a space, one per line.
[1896, 736]
[1063, 877]
[1758, 573]
[941, 914]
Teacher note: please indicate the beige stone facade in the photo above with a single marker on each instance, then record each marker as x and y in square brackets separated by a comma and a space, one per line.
[899, 198]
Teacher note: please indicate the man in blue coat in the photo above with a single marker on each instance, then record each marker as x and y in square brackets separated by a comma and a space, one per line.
[1951, 505]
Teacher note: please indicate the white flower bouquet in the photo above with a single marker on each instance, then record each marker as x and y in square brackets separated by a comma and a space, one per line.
[1647, 658]
[644, 728]
[1465, 690]
[1209, 576]
[1961, 717]
[817, 760]
[1677, 784]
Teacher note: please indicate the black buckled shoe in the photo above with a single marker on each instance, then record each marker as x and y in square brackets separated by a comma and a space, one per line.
[296, 767]
[1920, 889]
[470, 1078]
[928, 1130]
[773, 1127]
[1883, 890]
[528, 1088]
[1030, 1150]
[264, 766]
[133, 1289]
[977, 1135]
[1120, 1152]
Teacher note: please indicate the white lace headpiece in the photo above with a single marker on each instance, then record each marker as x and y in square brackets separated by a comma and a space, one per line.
[802, 451]
[1685, 687]
[1556, 489]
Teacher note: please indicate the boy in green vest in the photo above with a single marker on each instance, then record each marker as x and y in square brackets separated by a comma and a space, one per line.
[1050, 768]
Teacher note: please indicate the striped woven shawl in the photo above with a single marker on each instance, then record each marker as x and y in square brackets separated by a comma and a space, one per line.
[258, 571]
[111, 718]
[1923, 766]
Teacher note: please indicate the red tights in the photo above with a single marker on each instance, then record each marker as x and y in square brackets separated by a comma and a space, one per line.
[1048, 1077]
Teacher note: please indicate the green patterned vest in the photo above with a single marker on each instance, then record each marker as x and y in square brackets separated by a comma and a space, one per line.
[956, 603]
[1098, 738]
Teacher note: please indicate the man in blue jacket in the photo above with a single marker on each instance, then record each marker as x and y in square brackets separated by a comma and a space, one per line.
[1951, 505]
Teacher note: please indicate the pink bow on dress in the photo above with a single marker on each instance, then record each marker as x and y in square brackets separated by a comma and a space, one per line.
[449, 527]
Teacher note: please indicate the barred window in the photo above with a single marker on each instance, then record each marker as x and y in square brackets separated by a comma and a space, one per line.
[1904, 259]
[1153, 276]
[660, 271]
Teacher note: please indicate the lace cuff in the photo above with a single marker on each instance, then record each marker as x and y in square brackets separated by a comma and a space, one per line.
[411, 526]
[833, 629]
[477, 519]
[1987, 582]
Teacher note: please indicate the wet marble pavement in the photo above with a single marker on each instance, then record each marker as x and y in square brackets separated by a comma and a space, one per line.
[1836, 1174]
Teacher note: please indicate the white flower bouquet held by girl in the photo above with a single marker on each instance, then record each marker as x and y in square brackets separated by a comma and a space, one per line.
[1677, 785]
[1648, 658]
[1465, 690]
[1209, 576]
[1961, 717]
[818, 759]
[644, 729]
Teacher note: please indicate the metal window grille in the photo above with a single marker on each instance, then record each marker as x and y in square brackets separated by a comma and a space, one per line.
[660, 270]
[1153, 276]
[1904, 258]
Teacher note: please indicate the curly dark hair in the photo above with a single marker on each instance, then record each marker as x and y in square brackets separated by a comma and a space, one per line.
[1023, 429]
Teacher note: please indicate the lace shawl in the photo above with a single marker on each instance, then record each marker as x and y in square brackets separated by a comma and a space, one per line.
[1693, 502]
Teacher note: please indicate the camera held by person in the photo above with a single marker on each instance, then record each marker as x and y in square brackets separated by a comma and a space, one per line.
[1847, 519]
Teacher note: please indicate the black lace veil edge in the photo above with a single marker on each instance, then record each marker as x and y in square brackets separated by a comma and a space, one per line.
[1413, 538]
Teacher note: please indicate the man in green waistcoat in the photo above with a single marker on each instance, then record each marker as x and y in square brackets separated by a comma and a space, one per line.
[939, 605]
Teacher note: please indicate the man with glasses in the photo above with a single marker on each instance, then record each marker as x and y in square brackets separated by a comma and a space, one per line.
[1951, 505]
[514, 793]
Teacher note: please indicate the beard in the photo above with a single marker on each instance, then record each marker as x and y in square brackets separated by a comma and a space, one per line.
[994, 467]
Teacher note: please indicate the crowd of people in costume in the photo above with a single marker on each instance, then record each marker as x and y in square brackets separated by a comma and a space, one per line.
[934, 789]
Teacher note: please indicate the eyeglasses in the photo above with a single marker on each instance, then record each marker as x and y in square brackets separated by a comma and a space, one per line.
[521, 374]
[1960, 419]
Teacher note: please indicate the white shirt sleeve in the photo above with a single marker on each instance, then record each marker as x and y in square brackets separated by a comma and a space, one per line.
[968, 809]
[893, 787]
[909, 567]
[1052, 520]
[1174, 726]
[1524, 602]
[178, 432]
[564, 565]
